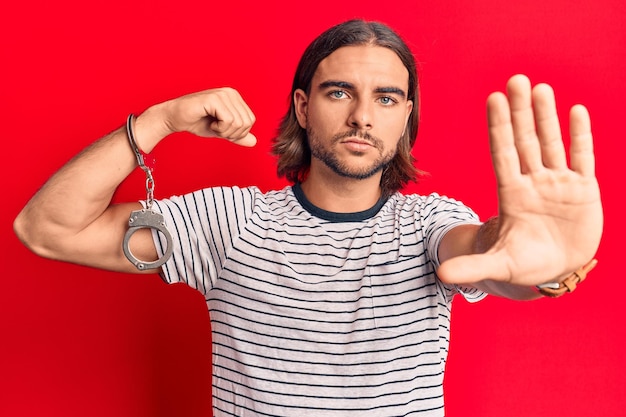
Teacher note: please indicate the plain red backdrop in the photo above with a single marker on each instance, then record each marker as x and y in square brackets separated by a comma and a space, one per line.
[80, 342]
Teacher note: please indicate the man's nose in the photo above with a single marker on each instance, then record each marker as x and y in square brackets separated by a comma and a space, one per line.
[361, 115]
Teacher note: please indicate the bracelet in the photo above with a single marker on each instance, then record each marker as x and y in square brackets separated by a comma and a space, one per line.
[553, 289]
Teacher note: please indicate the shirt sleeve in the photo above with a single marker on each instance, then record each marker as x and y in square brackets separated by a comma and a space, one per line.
[203, 225]
[440, 215]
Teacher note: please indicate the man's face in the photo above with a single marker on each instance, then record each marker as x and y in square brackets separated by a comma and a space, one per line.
[356, 111]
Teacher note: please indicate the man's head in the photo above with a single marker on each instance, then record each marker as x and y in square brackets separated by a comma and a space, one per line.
[292, 143]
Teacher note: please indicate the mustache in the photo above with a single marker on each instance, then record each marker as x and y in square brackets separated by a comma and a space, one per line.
[354, 133]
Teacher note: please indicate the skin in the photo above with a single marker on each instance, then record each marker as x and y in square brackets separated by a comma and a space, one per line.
[550, 213]
[355, 114]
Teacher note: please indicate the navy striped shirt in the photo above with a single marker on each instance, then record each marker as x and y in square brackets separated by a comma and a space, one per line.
[316, 313]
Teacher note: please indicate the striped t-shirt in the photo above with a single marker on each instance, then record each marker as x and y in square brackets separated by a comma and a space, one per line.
[316, 313]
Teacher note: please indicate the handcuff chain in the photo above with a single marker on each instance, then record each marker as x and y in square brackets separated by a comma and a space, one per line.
[141, 161]
[149, 188]
[145, 218]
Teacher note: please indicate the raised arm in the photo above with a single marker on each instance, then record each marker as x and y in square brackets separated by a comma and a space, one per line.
[550, 213]
[71, 217]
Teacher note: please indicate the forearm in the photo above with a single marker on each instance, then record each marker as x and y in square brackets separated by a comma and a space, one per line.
[81, 191]
[468, 240]
[71, 218]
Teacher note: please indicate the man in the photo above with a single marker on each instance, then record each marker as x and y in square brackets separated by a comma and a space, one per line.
[333, 296]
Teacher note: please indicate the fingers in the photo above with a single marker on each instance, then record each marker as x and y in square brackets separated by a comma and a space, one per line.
[524, 124]
[220, 112]
[470, 269]
[502, 141]
[581, 148]
[230, 117]
[548, 127]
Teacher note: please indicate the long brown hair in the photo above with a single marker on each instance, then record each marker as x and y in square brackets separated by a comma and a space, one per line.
[291, 144]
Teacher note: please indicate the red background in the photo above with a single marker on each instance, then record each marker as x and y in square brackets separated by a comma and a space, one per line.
[76, 341]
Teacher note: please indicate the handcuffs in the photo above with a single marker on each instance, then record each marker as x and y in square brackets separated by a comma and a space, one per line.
[145, 218]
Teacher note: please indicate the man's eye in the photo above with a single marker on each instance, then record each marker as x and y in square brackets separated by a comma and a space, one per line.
[387, 101]
[337, 94]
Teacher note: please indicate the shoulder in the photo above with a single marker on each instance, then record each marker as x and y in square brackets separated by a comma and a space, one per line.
[426, 205]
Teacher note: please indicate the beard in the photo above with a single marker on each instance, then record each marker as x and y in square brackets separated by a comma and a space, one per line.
[341, 168]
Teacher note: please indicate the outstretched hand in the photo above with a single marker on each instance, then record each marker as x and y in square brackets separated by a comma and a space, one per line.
[550, 214]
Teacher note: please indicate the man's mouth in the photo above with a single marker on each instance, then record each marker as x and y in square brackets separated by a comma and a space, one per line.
[357, 144]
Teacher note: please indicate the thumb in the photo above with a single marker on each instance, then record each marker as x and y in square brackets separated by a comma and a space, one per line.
[248, 140]
[469, 269]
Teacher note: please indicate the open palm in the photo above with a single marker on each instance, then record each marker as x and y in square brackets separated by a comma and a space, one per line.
[550, 214]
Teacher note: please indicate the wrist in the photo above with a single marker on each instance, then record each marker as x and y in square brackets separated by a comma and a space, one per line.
[150, 128]
[557, 289]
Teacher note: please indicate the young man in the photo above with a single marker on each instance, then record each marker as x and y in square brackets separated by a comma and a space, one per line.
[333, 296]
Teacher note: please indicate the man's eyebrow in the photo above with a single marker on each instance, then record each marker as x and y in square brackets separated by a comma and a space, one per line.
[391, 90]
[339, 84]
[349, 86]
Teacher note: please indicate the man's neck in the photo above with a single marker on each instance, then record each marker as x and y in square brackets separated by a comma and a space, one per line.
[341, 195]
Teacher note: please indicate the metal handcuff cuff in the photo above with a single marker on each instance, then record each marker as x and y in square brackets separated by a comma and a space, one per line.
[145, 218]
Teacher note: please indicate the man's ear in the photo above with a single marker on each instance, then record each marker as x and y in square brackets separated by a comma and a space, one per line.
[409, 109]
[301, 102]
